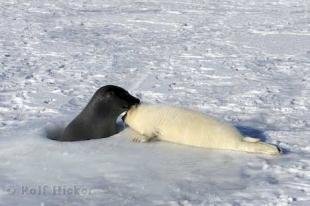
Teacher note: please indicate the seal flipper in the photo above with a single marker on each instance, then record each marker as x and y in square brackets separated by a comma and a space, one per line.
[259, 147]
[137, 137]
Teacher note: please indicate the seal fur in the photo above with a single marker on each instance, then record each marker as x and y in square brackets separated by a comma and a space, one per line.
[98, 118]
[188, 127]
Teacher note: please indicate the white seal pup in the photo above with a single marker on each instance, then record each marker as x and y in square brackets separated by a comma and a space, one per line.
[188, 127]
[98, 118]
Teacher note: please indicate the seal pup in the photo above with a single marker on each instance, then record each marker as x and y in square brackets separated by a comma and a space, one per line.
[188, 127]
[98, 118]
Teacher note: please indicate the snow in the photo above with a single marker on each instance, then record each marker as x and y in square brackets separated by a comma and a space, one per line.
[245, 61]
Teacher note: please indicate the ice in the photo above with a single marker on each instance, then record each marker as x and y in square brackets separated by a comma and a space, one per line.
[245, 61]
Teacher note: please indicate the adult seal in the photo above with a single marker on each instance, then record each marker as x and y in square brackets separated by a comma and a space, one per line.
[98, 118]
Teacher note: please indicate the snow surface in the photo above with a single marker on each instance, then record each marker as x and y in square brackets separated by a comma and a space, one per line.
[245, 61]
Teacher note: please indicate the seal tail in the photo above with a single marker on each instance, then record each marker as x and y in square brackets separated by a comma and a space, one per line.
[259, 147]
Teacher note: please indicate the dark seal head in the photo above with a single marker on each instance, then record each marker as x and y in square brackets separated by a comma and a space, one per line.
[98, 118]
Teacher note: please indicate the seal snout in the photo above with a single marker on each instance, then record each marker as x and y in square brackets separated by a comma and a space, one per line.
[132, 102]
[137, 101]
[129, 106]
